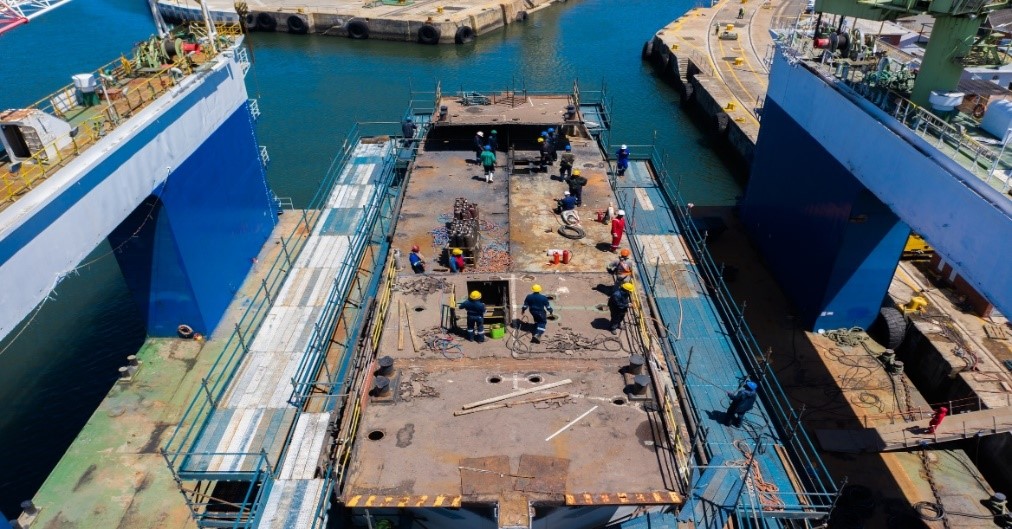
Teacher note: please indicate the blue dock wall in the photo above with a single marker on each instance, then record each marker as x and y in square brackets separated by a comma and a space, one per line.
[205, 225]
[816, 135]
[831, 244]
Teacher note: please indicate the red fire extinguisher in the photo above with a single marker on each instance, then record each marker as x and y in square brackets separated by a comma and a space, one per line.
[566, 256]
[600, 216]
[555, 258]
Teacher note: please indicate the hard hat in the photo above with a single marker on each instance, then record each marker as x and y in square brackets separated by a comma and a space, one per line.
[409, 119]
[480, 133]
[625, 252]
[488, 147]
[494, 132]
[624, 146]
[751, 385]
[475, 294]
[943, 409]
[541, 140]
[569, 147]
[566, 193]
[620, 213]
[628, 287]
[551, 130]
[414, 248]
[544, 133]
[458, 251]
[576, 172]
[535, 288]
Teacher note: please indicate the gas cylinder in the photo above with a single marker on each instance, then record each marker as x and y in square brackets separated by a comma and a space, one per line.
[611, 213]
[566, 256]
[600, 216]
[555, 258]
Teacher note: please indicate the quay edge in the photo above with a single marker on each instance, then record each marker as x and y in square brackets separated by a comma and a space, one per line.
[409, 21]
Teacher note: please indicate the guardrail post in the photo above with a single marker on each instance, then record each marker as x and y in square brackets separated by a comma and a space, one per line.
[267, 292]
[242, 340]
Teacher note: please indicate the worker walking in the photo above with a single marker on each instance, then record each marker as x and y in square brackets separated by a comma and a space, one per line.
[493, 140]
[617, 229]
[576, 182]
[741, 402]
[417, 260]
[475, 317]
[566, 165]
[488, 163]
[937, 418]
[479, 145]
[621, 268]
[540, 308]
[618, 304]
[741, 13]
[623, 159]
[456, 260]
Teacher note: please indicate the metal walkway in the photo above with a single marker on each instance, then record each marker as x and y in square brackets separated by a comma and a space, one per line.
[915, 433]
[766, 471]
[258, 429]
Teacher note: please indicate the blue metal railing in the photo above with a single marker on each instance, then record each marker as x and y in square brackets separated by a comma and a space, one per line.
[819, 489]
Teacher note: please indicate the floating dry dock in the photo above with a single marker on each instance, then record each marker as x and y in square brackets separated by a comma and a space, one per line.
[423, 21]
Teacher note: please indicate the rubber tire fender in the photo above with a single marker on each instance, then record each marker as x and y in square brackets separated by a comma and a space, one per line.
[978, 110]
[522, 16]
[429, 34]
[572, 232]
[184, 331]
[893, 326]
[297, 26]
[648, 49]
[357, 29]
[266, 22]
[721, 121]
[464, 35]
[685, 92]
[251, 22]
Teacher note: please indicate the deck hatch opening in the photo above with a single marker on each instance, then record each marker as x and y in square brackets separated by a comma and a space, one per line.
[534, 379]
[376, 435]
[495, 296]
[494, 379]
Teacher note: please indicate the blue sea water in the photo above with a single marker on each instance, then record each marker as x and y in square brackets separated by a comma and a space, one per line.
[311, 90]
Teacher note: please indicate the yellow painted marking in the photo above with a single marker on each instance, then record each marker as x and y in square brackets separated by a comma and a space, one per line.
[605, 498]
[623, 497]
[657, 496]
[404, 501]
[368, 502]
[439, 501]
[570, 499]
[730, 70]
[588, 499]
[353, 501]
[456, 502]
[421, 501]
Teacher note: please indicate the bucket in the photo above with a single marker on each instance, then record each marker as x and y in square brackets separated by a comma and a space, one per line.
[496, 331]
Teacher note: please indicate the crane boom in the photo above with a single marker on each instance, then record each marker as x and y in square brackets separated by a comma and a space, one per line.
[14, 13]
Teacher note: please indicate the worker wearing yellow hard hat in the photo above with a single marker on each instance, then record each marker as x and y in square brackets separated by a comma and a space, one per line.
[540, 308]
[475, 317]
[456, 260]
[618, 305]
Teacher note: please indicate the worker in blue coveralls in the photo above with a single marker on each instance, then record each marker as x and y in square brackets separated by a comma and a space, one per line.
[553, 146]
[618, 305]
[540, 309]
[741, 402]
[417, 260]
[479, 145]
[546, 157]
[456, 260]
[408, 128]
[475, 317]
[623, 159]
[493, 140]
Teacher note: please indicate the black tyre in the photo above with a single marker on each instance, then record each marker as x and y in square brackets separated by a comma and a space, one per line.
[297, 25]
[251, 22]
[890, 328]
[266, 22]
[358, 29]
[720, 123]
[522, 16]
[428, 34]
[464, 35]
[648, 49]
[184, 331]
[685, 92]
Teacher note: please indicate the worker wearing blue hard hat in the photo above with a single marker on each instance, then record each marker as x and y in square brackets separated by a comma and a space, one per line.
[741, 402]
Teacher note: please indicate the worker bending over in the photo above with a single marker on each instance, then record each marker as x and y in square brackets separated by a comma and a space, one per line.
[540, 308]
[417, 260]
[741, 402]
[621, 268]
[456, 260]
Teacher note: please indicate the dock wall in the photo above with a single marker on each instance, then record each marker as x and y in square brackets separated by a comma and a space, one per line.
[701, 92]
[408, 23]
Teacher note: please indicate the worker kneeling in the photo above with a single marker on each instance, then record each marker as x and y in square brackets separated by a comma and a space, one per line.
[475, 317]
[567, 209]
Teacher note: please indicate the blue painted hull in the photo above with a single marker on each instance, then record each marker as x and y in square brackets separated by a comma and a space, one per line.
[199, 233]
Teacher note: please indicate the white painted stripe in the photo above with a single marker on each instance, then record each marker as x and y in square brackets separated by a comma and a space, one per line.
[644, 199]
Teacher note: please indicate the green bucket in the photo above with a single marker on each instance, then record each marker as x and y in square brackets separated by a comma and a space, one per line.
[496, 331]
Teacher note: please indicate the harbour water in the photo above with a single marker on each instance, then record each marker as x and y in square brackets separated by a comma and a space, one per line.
[311, 90]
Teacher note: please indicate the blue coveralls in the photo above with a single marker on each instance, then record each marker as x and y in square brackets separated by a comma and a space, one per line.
[540, 308]
[741, 402]
[408, 129]
[623, 160]
[475, 319]
[567, 203]
[618, 305]
[493, 141]
[416, 263]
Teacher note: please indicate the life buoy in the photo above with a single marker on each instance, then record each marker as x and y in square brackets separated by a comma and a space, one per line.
[464, 35]
[184, 331]
[978, 110]
[251, 22]
[266, 22]
[428, 34]
[522, 16]
[648, 49]
[358, 29]
[297, 25]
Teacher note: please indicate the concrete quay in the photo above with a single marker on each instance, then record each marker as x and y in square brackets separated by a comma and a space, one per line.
[718, 62]
[421, 21]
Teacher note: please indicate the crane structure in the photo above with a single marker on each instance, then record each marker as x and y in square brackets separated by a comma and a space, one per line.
[14, 13]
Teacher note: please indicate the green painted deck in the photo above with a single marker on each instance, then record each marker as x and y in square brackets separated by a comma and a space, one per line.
[114, 475]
